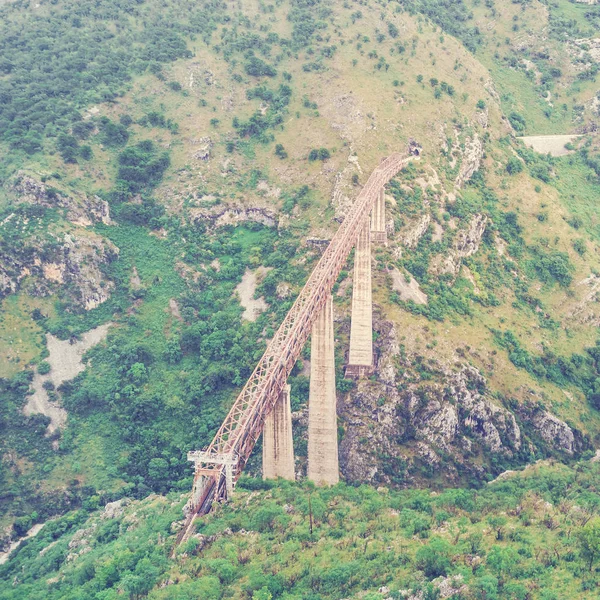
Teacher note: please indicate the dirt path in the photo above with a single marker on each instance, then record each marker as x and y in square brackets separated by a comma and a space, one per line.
[549, 144]
[14, 545]
[65, 362]
[246, 289]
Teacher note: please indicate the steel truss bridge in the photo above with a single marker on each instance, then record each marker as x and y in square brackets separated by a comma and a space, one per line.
[218, 467]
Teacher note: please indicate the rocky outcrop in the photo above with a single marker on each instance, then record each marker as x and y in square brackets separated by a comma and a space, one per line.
[220, 216]
[418, 417]
[471, 162]
[413, 232]
[81, 209]
[47, 255]
[76, 261]
[466, 244]
[550, 429]
[407, 288]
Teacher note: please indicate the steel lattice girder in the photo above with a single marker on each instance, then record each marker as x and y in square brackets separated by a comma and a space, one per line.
[244, 423]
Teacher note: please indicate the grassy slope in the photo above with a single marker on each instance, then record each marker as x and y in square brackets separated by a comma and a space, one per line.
[517, 538]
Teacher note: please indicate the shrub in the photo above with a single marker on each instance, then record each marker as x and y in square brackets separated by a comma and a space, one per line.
[113, 134]
[259, 68]
[517, 121]
[434, 558]
[44, 368]
[579, 246]
[280, 151]
[514, 166]
[319, 154]
[140, 167]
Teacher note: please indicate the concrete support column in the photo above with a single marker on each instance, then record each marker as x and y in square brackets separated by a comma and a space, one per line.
[278, 446]
[323, 466]
[378, 231]
[360, 359]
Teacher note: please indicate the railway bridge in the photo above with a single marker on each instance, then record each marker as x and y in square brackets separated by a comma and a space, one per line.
[263, 405]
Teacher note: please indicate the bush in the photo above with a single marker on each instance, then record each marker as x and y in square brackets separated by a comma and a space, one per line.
[517, 121]
[259, 68]
[579, 246]
[319, 154]
[113, 134]
[44, 368]
[434, 558]
[514, 166]
[280, 151]
[141, 167]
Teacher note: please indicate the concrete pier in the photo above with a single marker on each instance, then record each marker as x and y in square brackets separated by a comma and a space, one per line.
[378, 231]
[323, 465]
[360, 359]
[278, 445]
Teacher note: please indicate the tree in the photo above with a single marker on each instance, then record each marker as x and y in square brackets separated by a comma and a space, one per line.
[514, 165]
[434, 558]
[588, 538]
[259, 68]
[498, 522]
[502, 560]
[280, 151]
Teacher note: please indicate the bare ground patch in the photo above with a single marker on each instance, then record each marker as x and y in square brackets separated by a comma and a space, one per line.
[407, 290]
[246, 290]
[549, 144]
[65, 362]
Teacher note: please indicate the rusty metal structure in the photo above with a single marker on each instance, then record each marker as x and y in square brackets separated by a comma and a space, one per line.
[218, 467]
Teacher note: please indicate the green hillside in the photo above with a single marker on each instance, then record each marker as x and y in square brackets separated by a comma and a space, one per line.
[530, 535]
[168, 174]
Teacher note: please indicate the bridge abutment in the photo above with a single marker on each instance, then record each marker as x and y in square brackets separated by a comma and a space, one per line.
[360, 358]
[278, 445]
[323, 465]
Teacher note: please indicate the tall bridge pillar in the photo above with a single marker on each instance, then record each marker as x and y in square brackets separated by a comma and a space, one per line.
[360, 359]
[278, 446]
[323, 466]
[378, 231]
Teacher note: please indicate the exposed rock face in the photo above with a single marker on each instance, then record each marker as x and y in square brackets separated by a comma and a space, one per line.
[551, 429]
[220, 216]
[471, 160]
[415, 231]
[81, 210]
[408, 424]
[203, 153]
[466, 244]
[76, 261]
[407, 290]
[115, 510]
[587, 309]
[48, 258]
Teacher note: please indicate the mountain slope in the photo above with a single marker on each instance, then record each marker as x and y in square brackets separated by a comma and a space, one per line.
[154, 154]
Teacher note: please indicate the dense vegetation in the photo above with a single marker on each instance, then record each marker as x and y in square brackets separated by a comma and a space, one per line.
[67, 57]
[533, 535]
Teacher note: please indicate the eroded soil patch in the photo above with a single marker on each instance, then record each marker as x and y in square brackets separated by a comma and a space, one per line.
[65, 362]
